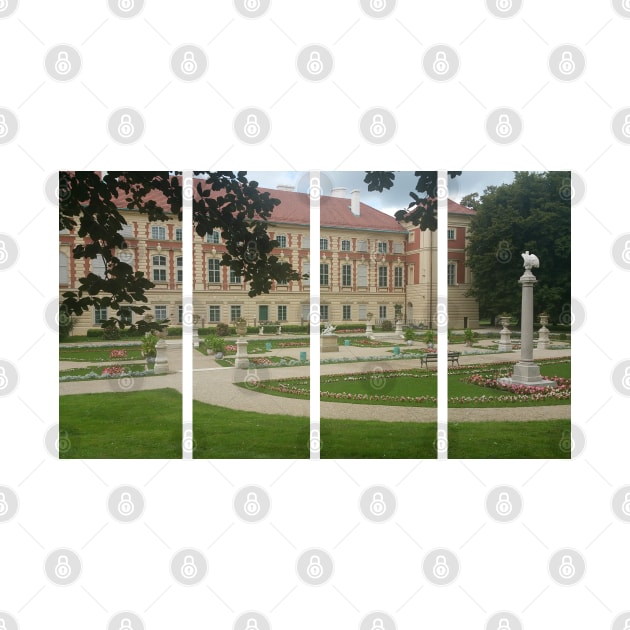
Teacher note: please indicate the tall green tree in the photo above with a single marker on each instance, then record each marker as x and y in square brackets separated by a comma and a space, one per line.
[530, 214]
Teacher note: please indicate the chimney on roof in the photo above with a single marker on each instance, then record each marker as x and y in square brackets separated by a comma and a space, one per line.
[285, 187]
[355, 202]
[338, 191]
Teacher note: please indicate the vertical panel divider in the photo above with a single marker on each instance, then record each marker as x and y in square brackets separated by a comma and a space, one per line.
[314, 316]
[187, 316]
[441, 316]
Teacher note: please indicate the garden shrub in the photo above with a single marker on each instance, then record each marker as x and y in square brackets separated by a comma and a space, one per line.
[387, 325]
[222, 329]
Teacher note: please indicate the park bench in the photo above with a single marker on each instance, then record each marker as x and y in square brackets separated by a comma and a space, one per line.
[431, 357]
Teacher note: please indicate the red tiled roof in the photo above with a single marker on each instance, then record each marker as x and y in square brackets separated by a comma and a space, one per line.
[456, 208]
[333, 212]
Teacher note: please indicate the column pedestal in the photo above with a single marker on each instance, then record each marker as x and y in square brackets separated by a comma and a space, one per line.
[161, 358]
[242, 360]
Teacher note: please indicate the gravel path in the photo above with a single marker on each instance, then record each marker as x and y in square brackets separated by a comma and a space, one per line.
[218, 386]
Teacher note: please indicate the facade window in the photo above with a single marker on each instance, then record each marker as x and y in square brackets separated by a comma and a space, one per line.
[412, 236]
[63, 268]
[159, 268]
[234, 278]
[323, 244]
[450, 274]
[282, 313]
[180, 269]
[282, 283]
[213, 237]
[178, 234]
[126, 231]
[346, 311]
[362, 246]
[323, 312]
[382, 277]
[160, 312]
[214, 273]
[398, 277]
[180, 314]
[100, 315]
[323, 274]
[382, 312]
[214, 313]
[98, 266]
[451, 234]
[125, 315]
[398, 248]
[158, 232]
[362, 276]
[282, 240]
[345, 245]
[362, 312]
[306, 242]
[306, 269]
[382, 247]
[411, 274]
[346, 275]
[235, 312]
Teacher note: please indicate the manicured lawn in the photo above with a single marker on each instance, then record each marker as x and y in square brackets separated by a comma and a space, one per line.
[145, 425]
[96, 354]
[130, 425]
[361, 439]
[508, 440]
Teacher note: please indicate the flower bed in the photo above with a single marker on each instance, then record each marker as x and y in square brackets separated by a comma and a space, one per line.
[113, 370]
[118, 354]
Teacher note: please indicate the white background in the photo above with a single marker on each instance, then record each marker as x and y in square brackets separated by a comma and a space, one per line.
[314, 125]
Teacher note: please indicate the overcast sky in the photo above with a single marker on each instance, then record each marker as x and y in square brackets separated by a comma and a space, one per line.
[388, 201]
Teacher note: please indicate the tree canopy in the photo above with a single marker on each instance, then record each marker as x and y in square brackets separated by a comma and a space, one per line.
[421, 211]
[92, 205]
[532, 214]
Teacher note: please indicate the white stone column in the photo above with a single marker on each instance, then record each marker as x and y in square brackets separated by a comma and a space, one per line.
[526, 372]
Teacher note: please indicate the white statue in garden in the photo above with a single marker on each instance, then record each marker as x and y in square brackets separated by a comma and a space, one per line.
[329, 330]
[530, 260]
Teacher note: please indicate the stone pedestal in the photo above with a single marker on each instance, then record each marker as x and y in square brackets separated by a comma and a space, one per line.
[399, 330]
[195, 332]
[368, 328]
[526, 372]
[328, 343]
[543, 333]
[241, 360]
[161, 358]
[505, 343]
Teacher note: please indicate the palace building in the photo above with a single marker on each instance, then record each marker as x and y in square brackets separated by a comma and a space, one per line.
[368, 263]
